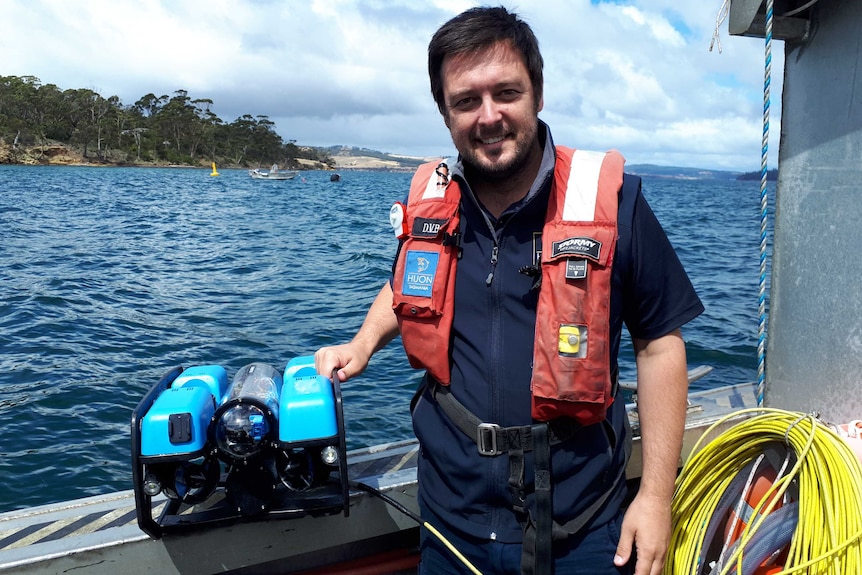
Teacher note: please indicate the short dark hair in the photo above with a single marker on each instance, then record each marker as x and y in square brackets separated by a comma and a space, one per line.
[479, 28]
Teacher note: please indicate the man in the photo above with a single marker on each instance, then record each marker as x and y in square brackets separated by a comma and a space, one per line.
[513, 493]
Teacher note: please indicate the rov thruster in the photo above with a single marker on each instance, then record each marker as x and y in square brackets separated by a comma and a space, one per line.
[270, 444]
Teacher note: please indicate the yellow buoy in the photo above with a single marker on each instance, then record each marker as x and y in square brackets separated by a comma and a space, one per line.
[215, 172]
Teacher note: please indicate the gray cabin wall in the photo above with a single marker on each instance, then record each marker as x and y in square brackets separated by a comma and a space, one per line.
[814, 337]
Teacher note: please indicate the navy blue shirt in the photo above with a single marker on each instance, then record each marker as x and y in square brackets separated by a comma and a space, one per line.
[492, 350]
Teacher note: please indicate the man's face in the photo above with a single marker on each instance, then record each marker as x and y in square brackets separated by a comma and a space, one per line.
[490, 110]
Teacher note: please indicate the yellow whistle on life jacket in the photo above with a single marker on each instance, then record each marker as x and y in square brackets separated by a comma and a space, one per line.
[572, 340]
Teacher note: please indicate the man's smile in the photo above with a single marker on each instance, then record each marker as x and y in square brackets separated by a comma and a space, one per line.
[489, 141]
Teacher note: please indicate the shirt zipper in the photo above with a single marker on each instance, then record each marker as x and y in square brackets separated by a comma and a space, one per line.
[494, 251]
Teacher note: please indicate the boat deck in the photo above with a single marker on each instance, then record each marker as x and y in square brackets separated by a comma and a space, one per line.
[100, 535]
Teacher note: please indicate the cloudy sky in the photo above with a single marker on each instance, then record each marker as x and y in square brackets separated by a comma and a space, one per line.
[636, 75]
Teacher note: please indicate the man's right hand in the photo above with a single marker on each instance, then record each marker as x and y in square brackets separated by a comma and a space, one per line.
[346, 358]
[350, 359]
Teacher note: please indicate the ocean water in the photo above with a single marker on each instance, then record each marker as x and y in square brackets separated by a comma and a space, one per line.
[111, 276]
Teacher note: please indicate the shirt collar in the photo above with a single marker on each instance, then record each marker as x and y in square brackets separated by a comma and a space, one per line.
[549, 160]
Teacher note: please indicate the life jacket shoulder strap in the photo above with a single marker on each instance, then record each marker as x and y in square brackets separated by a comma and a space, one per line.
[431, 182]
[590, 182]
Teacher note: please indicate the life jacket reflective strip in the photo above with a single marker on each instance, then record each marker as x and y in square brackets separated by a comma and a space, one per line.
[571, 356]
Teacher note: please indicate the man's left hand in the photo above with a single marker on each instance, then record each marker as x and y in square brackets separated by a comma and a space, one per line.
[646, 527]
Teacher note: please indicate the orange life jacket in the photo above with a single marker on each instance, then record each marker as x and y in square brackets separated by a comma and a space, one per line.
[571, 355]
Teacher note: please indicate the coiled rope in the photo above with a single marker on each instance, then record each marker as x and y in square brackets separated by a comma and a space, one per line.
[826, 474]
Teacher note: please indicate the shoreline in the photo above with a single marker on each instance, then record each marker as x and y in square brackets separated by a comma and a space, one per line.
[63, 155]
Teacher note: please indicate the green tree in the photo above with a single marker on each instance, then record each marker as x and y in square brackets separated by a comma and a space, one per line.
[237, 138]
[202, 129]
[174, 123]
[17, 99]
[266, 143]
[79, 104]
[147, 137]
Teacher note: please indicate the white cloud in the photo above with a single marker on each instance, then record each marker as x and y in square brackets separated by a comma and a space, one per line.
[657, 27]
[633, 75]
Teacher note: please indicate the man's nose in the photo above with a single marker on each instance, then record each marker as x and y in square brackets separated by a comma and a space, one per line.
[489, 111]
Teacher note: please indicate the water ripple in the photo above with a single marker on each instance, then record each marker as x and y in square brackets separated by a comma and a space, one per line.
[109, 277]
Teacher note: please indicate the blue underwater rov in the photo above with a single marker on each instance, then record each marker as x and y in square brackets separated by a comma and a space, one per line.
[269, 444]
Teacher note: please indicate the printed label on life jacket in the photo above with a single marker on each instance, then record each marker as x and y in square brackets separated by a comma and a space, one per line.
[576, 269]
[419, 271]
[426, 227]
[586, 247]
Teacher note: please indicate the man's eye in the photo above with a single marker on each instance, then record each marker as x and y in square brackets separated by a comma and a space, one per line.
[464, 104]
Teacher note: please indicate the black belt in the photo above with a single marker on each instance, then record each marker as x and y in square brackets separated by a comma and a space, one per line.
[492, 440]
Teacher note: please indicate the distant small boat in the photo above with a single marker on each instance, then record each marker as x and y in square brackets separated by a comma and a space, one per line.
[273, 174]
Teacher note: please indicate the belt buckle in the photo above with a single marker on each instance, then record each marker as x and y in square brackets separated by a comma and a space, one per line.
[486, 438]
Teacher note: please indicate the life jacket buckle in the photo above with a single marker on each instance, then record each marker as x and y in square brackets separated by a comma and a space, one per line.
[486, 438]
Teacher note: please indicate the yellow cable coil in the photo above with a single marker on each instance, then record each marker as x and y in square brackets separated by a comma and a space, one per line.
[829, 478]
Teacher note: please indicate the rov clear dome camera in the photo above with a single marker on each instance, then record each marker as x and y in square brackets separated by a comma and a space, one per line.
[247, 421]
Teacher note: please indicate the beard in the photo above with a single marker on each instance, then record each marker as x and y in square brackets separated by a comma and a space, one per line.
[478, 167]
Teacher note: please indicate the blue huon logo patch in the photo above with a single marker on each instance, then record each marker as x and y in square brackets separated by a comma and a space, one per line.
[419, 272]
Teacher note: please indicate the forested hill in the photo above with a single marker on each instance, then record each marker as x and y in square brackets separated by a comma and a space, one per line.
[175, 129]
[771, 175]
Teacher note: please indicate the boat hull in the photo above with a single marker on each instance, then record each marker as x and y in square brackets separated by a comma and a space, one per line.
[271, 175]
[100, 535]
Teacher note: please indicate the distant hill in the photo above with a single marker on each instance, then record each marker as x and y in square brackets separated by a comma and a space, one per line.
[351, 157]
[678, 173]
[771, 175]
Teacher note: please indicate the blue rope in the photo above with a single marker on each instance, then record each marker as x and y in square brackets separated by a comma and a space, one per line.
[761, 339]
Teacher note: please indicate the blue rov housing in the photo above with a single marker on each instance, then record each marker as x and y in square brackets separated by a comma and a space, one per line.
[270, 444]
